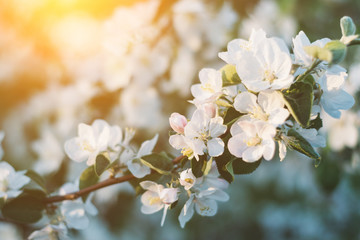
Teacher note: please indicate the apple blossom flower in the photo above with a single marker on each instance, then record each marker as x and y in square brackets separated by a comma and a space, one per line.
[187, 179]
[204, 203]
[268, 106]
[157, 197]
[11, 181]
[201, 134]
[90, 142]
[251, 140]
[334, 98]
[133, 162]
[301, 41]
[75, 211]
[177, 122]
[268, 67]
[50, 231]
[211, 84]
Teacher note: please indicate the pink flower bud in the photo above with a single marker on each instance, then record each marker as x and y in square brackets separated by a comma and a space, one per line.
[177, 122]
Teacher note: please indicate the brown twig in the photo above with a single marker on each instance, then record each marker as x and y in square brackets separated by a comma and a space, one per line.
[105, 183]
[75, 195]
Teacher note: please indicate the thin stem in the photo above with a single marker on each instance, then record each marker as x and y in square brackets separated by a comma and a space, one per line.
[75, 195]
[313, 66]
[103, 184]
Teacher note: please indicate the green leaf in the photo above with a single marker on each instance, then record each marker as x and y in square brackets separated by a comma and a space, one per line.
[316, 123]
[309, 79]
[338, 51]
[299, 101]
[26, 208]
[198, 167]
[319, 53]
[229, 75]
[101, 164]
[347, 25]
[88, 178]
[241, 167]
[300, 144]
[159, 162]
[36, 178]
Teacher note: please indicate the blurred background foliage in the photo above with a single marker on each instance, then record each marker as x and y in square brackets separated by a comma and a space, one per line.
[132, 63]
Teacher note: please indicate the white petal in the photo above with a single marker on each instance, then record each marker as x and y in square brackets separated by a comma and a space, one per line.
[138, 169]
[147, 146]
[245, 102]
[215, 147]
[236, 145]
[74, 150]
[169, 195]
[282, 150]
[216, 127]
[187, 211]
[269, 149]
[206, 207]
[17, 180]
[252, 154]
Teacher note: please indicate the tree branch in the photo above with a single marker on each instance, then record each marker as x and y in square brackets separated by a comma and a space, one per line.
[75, 195]
[105, 183]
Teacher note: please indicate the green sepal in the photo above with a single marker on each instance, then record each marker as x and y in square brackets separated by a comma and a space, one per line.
[300, 144]
[88, 178]
[160, 162]
[26, 208]
[229, 75]
[299, 101]
[102, 163]
[319, 53]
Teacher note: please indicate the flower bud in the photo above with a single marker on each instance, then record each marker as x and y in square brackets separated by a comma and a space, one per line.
[177, 122]
[187, 179]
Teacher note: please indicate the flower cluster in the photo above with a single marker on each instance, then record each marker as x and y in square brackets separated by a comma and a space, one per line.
[263, 95]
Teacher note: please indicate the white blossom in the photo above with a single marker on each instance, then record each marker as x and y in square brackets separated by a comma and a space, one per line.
[11, 181]
[187, 179]
[201, 134]
[204, 203]
[301, 41]
[133, 162]
[268, 66]
[50, 232]
[268, 106]
[251, 140]
[210, 84]
[334, 98]
[156, 198]
[90, 142]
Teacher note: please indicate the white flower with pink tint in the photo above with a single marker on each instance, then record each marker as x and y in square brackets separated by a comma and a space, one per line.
[252, 140]
[156, 198]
